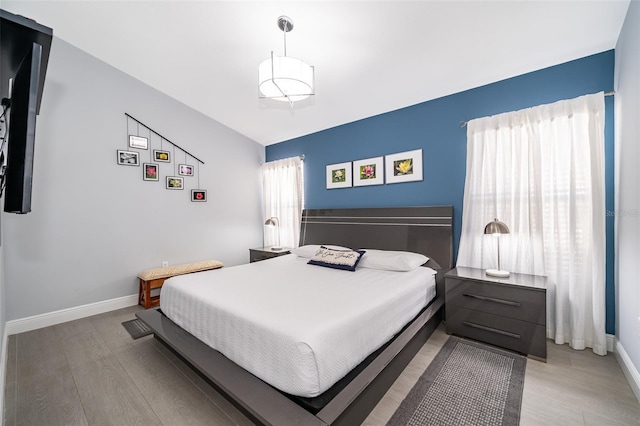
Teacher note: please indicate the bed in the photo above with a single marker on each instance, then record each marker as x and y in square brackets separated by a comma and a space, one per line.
[329, 380]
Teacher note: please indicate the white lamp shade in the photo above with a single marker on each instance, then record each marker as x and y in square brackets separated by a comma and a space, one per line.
[289, 79]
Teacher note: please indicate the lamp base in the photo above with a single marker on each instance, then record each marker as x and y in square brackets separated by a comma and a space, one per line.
[276, 248]
[497, 273]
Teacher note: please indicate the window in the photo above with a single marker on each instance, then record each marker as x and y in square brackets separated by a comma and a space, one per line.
[541, 171]
[283, 185]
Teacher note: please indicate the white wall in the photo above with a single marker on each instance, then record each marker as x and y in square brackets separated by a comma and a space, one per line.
[627, 112]
[95, 224]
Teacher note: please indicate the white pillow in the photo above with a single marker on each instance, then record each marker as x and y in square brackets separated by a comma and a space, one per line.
[388, 260]
[312, 249]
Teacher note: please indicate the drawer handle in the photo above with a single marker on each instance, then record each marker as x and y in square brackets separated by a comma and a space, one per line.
[491, 299]
[491, 329]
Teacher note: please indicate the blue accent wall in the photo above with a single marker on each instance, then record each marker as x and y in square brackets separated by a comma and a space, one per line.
[434, 126]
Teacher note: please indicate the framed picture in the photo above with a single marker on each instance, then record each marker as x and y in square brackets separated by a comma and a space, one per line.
[185, 170]
[198, 195]
[138, 142]
[175, 182]
[369, 171]
[404, 166]
[339, 175]
[150, 171]
[128, 158]
[163, 156]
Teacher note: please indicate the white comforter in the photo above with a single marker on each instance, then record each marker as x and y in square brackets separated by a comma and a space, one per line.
[298, 327]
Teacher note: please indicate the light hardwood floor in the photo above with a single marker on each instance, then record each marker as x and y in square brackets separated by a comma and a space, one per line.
[91, 372]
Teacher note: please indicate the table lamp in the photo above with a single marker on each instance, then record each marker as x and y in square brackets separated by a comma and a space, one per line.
[273, 221]
[497, 228]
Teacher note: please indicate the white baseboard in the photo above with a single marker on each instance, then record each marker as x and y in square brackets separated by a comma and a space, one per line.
[52, 318]
[630, 371]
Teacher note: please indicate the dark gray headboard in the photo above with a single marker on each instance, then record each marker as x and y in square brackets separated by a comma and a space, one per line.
[426, 230]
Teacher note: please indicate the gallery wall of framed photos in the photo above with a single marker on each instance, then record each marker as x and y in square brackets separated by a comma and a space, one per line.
[145, 143]
[393, 168]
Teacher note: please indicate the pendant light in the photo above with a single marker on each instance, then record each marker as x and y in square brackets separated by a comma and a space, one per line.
[284, 78]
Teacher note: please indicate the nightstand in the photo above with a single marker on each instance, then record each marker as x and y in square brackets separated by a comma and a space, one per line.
[263, 253]
[507, 312]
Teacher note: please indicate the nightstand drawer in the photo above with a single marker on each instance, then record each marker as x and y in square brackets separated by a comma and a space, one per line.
[509, 301]
[519, 336]
[264, 253]
[257, 256]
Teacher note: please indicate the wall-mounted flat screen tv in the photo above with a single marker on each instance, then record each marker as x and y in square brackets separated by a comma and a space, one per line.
[24, 56]
[22, 132]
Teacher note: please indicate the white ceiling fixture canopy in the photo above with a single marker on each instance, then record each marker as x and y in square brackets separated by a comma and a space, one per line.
[284, 78]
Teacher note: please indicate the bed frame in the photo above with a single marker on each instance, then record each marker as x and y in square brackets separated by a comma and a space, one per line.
[426, 230]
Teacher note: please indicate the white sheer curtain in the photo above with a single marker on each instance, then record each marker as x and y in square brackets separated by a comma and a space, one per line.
[541, 171]
[284, 199]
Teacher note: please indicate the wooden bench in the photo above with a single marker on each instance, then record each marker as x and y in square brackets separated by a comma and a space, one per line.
[154, 278]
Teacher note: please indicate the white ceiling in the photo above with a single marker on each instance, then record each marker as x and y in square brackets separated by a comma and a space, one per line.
[370, 57]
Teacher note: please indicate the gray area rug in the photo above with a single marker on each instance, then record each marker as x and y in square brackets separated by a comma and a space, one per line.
[467, 383]
[136, 328]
